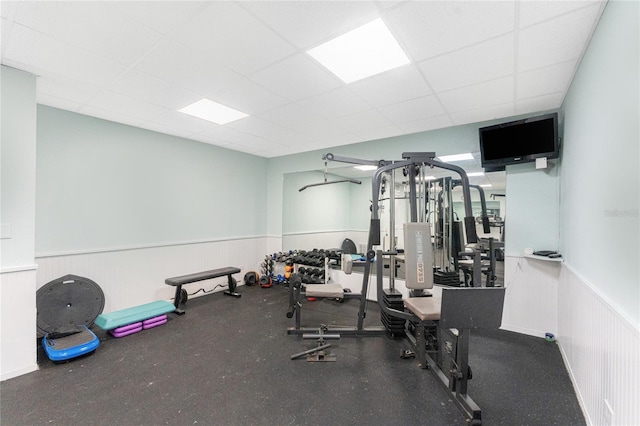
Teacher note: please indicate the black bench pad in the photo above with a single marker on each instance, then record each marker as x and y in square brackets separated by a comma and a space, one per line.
[178, 282]
[201, 276]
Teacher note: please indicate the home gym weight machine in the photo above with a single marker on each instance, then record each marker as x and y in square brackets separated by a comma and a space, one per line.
[452, 258]
[439, 327]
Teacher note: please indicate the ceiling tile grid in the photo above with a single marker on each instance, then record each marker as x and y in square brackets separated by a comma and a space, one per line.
[139, 62]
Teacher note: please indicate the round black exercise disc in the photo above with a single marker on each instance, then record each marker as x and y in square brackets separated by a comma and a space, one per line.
[68, 300]
[349, 247]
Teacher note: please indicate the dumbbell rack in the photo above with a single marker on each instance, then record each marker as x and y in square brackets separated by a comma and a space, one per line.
[303, 269]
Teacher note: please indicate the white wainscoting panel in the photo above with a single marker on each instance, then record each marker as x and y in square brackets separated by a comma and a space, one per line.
[601, 349]
[135, 276]
[274, 245]
[531, 299]
[18, 323]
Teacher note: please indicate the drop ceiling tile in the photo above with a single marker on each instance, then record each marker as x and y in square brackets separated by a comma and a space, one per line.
[355, 123]
[542, 81]
[295, 117]
[483, 114]
[163, 16]
[485, 61]
[309, 23]
[429, 28]
[66, 88]
[337, 140]
[296, 77]
[179, 65]
[557, 40]
[43, 54]
[150, 89]
[258, 127]
[110, 115]
[248, 97]
[167, 130]
[96, 27]
[424, 124]
[397, 85]
[289, 138]
[126, 105]
[8, 8]
[54, 101]
[539, 103]
[488, 93]
[532, 12]
[379, 132]
[335, 103]
[233, 37]
[184, 123]
[415, 109]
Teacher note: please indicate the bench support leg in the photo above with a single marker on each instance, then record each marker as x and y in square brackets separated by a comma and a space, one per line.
[232, 287]
[176, 301]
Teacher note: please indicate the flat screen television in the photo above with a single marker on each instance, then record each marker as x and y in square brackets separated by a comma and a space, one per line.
[519, 141]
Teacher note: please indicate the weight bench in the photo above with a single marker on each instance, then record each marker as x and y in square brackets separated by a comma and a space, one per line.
[178, 282]
[298, 291]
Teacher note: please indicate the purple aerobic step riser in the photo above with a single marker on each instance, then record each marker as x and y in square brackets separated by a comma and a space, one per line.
[127, 332]
[127, 327]
[153, 320]
[154, 324]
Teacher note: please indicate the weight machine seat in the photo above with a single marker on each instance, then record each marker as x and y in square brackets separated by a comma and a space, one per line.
[425, 308]
[334, 291]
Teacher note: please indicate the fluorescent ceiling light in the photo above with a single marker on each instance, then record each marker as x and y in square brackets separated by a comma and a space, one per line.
[428, 178]
[486, 185]
[213, 111]
[456, 157]
[474, 174]
[360, 53]
[365, 168]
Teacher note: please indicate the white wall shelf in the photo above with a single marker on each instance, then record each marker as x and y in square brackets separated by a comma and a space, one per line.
[544, 258]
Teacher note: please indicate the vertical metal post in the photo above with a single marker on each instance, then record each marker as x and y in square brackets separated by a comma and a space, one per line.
[392, 231]
[412, 193]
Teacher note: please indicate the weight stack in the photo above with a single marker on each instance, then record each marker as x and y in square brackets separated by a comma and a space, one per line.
[393, 299]
[450, 278]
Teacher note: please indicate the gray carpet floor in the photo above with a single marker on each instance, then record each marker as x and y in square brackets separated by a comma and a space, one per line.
[227, 362]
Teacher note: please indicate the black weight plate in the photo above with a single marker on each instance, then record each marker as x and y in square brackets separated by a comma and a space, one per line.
[68, 300]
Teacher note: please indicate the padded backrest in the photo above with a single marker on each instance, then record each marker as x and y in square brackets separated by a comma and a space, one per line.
[349, 247]
[418, 256]
[474, 307]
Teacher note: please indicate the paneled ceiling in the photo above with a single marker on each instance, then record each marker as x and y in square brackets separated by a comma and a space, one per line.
[137, 63]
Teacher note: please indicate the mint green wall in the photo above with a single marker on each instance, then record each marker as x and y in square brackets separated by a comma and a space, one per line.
[532, 210]
[103, 185]
[600, 232]
[320, 208]
[360, 201]
[18, 143]
[452, 140]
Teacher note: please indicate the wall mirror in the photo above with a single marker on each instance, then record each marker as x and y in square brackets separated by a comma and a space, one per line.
[322, 216]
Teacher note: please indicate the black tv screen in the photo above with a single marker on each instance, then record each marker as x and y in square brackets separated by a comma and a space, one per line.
[519, 141]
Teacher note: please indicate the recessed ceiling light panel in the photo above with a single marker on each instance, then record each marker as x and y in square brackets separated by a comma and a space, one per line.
[360, 53]
[475, 174]
[209, 110]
